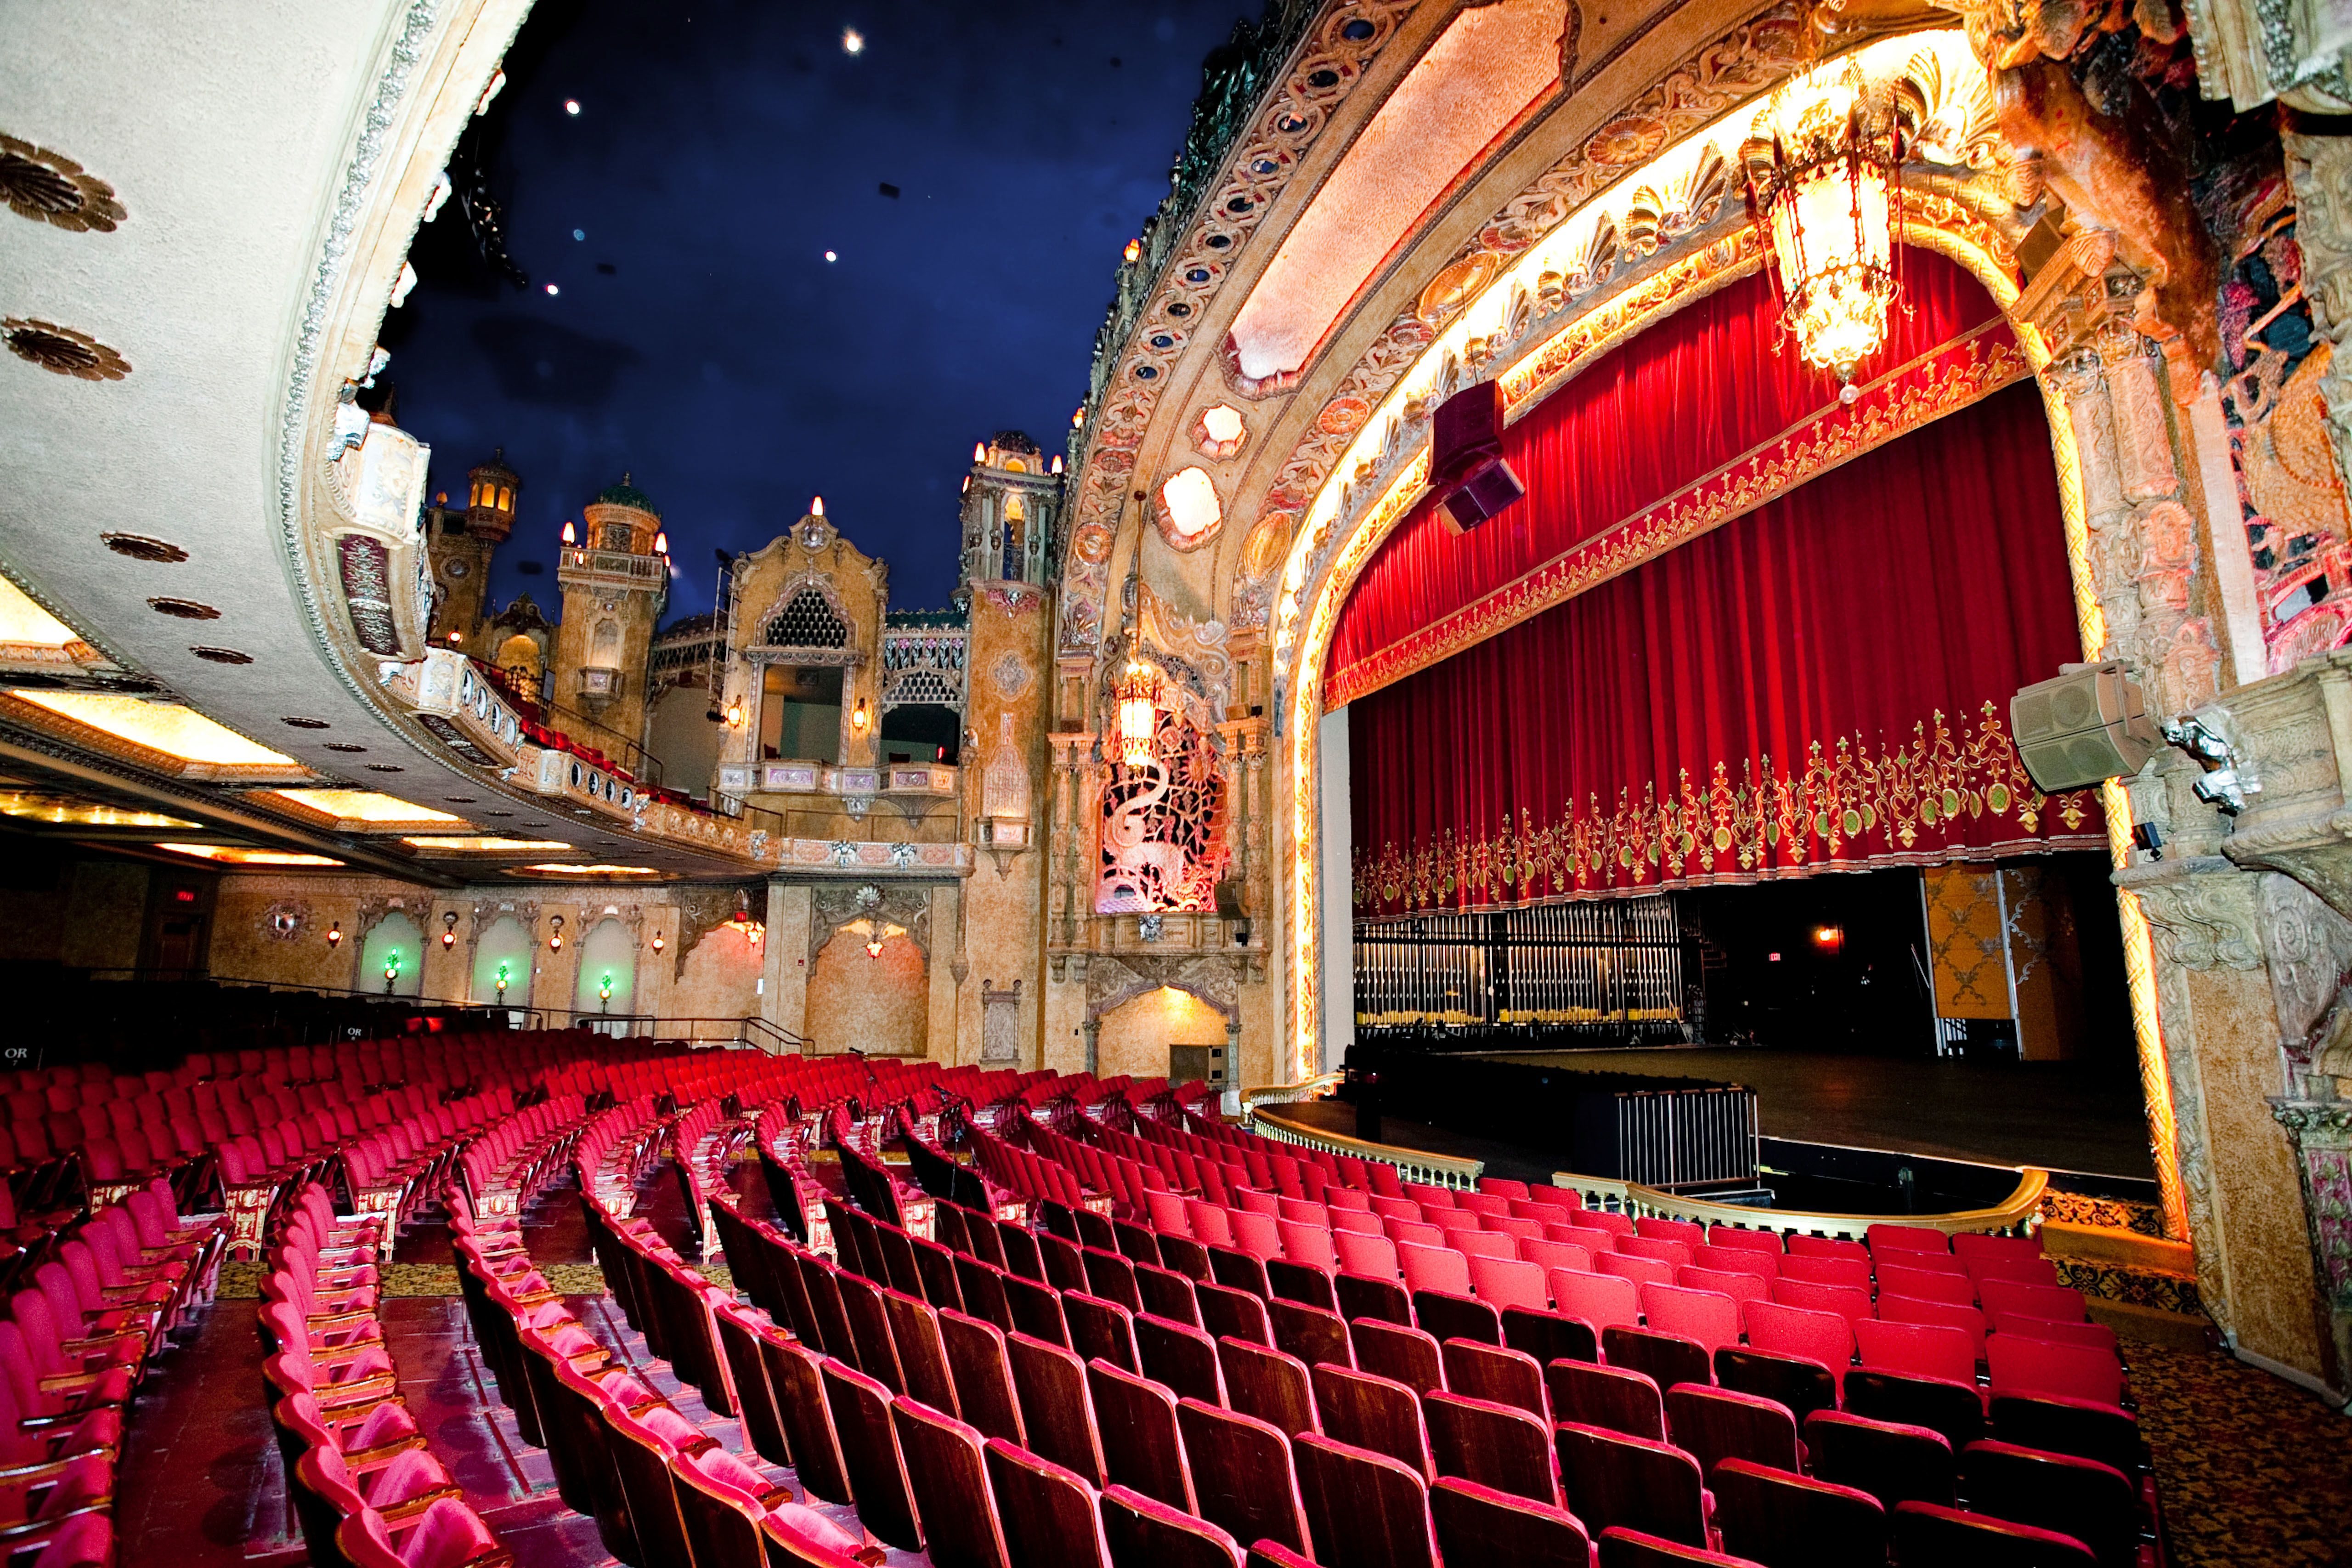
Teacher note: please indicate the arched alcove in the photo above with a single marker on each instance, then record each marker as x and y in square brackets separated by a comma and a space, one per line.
[1134, 1037]
[608, 951]
[876, 1003]
[505, 947]
[398, 943]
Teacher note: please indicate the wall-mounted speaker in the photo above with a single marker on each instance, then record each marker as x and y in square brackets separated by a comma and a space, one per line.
[2088, 725]
[1485, 490]
[1466, 468]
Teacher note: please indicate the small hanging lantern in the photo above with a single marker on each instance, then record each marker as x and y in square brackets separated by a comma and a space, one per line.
[1826, 196]
[448, 930]
[1137, 696]
[555, 936]
[657, 942]
[502, 982]
[859, 717]
[335, 934]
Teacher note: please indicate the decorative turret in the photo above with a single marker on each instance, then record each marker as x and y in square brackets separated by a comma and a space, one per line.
[615, 584]
[460, 541]
[490, 499]
[1011, 499]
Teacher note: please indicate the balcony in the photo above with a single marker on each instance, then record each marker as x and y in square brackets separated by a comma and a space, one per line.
[614, 568]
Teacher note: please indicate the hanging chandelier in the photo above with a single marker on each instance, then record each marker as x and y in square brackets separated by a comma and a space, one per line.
[1137, 696]
[1826, 194]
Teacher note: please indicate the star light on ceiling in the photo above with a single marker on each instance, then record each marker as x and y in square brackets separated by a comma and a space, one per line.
[570, 106]
[853, 42]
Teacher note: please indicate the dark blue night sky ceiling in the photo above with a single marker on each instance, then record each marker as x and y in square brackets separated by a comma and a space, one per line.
[699, 339]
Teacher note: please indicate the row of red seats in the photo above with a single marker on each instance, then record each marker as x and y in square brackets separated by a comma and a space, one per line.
[367, 1487]
[75, 1346]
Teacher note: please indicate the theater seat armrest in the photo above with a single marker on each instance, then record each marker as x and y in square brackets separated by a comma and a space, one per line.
[400, 1512]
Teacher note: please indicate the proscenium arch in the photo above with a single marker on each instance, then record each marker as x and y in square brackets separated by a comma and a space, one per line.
[1299, 669]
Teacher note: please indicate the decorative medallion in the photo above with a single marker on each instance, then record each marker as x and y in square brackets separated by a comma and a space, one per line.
[221, 655]
[1093, 544]
[185, 609]
[1342, 414]
[284, 921]
[62, 350]
[49, 187]
[140, 547]
[1455, 286]
[1010, 676]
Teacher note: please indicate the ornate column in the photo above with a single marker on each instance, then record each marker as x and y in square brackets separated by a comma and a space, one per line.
[2320, 168]
[2322, 1131]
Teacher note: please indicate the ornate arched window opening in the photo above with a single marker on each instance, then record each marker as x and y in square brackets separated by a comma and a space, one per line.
[1163, 825]
[808, 621]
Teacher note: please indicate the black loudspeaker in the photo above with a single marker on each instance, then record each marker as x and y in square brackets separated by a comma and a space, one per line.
[2088, 725]
[1485, 490]
[1466, 430]
[1465, 459]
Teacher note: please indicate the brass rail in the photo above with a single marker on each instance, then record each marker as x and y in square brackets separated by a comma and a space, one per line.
[2015, 1215]
[1413, 1165]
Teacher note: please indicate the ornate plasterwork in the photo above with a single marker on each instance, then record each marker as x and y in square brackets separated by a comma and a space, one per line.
[2309, 949]
[1738, 67]
[49, 187]
[1319, 77]
[1115, 979]
[885, 909]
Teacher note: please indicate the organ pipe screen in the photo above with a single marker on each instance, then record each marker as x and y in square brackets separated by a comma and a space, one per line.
[1607, 966]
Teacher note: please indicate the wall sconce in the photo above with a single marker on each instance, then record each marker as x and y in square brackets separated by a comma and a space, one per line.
[391, 970]
[604, 992]
[859, 717]
[502, 982]
[555, 937]
[335, 934]
[448, 930]
[455, 638]
[734, 712]
[657, 942]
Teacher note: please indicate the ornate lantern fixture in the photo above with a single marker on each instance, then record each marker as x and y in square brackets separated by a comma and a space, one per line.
[752, 929]
[448, 930]
[1138, 697]
[1826, 195]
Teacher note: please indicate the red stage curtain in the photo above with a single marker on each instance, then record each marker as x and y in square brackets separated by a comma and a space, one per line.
[1690, 424]
[1821, 684]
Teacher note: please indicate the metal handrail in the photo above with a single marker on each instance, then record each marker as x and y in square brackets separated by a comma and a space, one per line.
[639, 763]
[2015, 1214]
[1416, 1165]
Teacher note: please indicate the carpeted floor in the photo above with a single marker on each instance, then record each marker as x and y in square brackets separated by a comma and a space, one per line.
[2251, 1468]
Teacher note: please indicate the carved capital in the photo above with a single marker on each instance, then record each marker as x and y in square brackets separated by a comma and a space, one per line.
[2203, 913]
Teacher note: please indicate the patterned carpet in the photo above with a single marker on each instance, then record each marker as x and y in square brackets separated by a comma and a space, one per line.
[2253, 1470]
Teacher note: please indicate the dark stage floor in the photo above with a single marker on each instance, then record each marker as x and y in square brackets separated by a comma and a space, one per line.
[2064, 1116]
